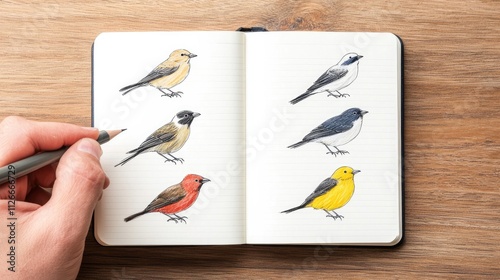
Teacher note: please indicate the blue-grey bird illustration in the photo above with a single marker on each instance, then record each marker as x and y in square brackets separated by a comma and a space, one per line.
[336, 131]
[335, 78]
[167, 139]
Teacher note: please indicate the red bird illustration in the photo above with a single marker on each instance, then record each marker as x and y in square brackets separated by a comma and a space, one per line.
[174, 199]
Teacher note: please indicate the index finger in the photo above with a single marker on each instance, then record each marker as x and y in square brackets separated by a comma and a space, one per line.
[20, 138]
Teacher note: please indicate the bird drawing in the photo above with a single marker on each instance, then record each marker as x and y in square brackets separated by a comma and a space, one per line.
[167, 139]
[331, 194]
[335, 78]
[175, 199]
[167, 75]
[336, 131]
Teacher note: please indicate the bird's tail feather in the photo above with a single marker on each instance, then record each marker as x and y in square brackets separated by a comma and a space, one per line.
[127, 159]
[301, 97]
[131, 217]
[129, 88]
[293, 209]
[298, 144]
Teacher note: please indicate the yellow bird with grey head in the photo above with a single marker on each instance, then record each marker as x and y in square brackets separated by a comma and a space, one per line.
[331, 194]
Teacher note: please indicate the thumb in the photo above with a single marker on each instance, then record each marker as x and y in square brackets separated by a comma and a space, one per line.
[78, 185]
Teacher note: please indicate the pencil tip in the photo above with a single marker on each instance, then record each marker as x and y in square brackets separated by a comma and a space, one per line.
[113, 133]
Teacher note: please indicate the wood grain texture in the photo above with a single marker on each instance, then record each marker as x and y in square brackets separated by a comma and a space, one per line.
[452, 133]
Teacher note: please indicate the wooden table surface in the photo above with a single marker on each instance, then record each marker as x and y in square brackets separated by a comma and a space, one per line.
[451, 126]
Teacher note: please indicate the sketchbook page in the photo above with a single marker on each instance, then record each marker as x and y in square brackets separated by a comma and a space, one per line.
[283, 65]
[213, 88]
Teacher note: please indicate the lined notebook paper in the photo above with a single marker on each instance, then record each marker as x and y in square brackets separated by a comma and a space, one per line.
[242, 84]
[279, 178]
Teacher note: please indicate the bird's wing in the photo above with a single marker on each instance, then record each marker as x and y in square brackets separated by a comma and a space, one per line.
[329, 76]
[323, 188]
[330, 127]
[169, 196]
[158, 72]
[162, 135]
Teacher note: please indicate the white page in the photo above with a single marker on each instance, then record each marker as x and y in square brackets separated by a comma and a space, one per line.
[214, 149]
[282, 65]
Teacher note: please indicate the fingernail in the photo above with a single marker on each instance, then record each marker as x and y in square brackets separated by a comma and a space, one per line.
[90, 147]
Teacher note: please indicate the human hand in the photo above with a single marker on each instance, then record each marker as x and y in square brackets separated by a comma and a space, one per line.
[47, 237]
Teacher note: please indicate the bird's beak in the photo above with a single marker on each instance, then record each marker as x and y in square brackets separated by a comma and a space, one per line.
[355, 171]
[191, 55]
[357, 58]
[363, 112]
[196, 115]
[204, 180]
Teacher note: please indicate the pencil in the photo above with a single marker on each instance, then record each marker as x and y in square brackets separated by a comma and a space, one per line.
[25, 166]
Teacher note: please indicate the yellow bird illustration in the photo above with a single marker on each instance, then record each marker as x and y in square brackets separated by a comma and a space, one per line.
[333, 193]
[167, 75]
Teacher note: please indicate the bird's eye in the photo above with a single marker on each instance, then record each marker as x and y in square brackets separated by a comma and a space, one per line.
[196, 180]
[186, 115]
[183, 54]
[345, 171]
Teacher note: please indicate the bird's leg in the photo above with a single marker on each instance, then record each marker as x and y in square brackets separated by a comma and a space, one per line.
[330, 151]
[165, 94]
[172, 94]
[337, 216]
[337, 96]
[171, 219]
[342, 152]
[331, 94]
[176, 159]
[166, 158]
[182, 219]
[334, 217]
[176, 93]
[342, 94]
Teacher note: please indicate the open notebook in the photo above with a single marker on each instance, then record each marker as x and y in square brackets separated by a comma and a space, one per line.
[239, 95]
